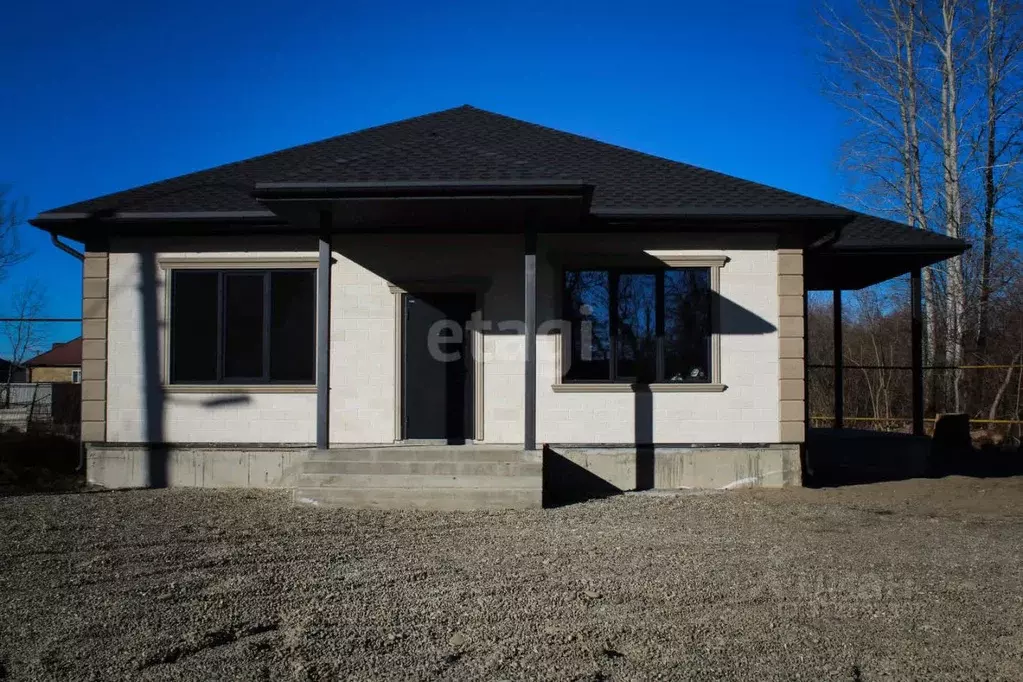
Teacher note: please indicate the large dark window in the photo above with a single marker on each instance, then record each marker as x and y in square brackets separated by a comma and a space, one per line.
[242, 326]
[638, 326]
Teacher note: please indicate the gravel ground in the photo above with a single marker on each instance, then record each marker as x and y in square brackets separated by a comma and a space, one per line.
[917, 579]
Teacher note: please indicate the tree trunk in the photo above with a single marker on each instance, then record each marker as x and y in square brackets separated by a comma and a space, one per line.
[992, 413]
[918, 217]
[990, 158]
[955, 278]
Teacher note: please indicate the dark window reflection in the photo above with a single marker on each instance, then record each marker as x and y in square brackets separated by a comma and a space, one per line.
[638, 326]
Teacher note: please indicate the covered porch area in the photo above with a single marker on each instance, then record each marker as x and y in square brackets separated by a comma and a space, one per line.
[863, 254]
[547, 231]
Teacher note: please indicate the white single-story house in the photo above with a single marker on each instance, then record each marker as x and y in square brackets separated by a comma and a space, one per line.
[416, 311]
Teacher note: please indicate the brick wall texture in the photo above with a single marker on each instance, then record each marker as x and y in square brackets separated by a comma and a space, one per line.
[755, 325]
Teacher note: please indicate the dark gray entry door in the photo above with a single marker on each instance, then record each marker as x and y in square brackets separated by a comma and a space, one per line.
[438, 367]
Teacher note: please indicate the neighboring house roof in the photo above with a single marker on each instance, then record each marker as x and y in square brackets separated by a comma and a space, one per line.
[5, 367]
[469, 144]
[67, 354]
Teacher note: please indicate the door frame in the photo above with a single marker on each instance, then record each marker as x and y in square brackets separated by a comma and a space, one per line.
[477, 286]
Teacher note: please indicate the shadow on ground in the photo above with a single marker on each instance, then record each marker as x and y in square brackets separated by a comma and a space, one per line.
[853, 457]
[36, 463]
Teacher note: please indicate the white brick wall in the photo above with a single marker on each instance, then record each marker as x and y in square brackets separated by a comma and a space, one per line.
[745, 412]
[188, 417]
[361, 355]
[362, 329]
[362, 346]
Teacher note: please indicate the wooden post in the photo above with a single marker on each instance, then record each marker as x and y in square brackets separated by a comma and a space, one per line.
[530, 341]
[839, 374]
[917, 351]
[32, 407]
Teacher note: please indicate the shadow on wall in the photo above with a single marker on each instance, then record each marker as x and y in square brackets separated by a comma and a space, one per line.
[643, 414]
[735, 320]
[463, 261]
[459, 256]
[565, 482]
[496, 266]
[156, 475]
[154, 409]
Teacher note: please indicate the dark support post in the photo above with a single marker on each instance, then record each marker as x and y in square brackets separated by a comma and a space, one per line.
[839, 373]
[917, 351]
[530, 364]
[323, 335]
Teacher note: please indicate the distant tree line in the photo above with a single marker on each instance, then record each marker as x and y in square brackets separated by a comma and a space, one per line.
[933, 90]
[876, 355]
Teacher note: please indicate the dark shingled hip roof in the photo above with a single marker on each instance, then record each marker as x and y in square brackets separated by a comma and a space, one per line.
[469, 144]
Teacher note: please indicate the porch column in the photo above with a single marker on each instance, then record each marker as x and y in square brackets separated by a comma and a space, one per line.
[917, 351]
[529, 304]
[839, 374]
[323, 335]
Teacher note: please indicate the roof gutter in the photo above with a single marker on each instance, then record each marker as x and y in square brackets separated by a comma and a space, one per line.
[719, 214]
[422, 190]
[82, 226]
[807, 227]
[952, 249]
[44, 219]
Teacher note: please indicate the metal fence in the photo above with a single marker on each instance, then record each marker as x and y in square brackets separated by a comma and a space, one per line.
[47, 408]
[877, 397]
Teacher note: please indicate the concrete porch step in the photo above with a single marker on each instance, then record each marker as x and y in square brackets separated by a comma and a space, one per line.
[439, 477]
[435, 499]
[419, 453]
[420, 481]
[464, 467]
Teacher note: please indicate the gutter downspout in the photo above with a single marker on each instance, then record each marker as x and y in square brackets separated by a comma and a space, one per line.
[65, 248]
[81, 257]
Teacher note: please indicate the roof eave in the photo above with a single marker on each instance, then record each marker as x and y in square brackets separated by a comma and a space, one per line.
[49, 220]
[701, 213]
[83, 226]
[955, 247]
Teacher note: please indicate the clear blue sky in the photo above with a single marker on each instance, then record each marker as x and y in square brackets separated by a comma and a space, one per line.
[102, 96]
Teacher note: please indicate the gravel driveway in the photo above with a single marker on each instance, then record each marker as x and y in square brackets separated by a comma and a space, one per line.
[918, 579]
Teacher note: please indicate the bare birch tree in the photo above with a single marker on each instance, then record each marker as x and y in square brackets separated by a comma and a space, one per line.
[904, 15]
[934, 89]
[872, 69]
[946, 35]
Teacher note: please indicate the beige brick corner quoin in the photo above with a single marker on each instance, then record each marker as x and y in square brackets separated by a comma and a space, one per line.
[792, 368]
[94, 346]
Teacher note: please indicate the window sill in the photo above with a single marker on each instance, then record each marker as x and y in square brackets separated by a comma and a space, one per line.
[638, 388]
[239, 388]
